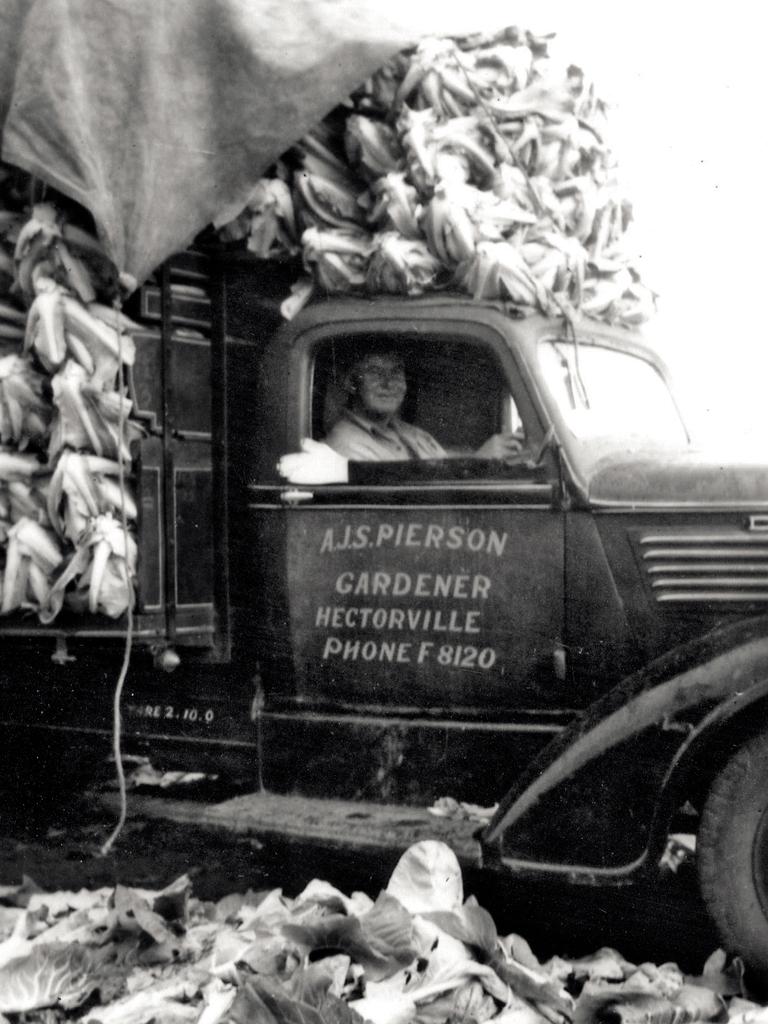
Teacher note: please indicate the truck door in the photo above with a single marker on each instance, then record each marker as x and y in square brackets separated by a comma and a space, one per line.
[437, 592]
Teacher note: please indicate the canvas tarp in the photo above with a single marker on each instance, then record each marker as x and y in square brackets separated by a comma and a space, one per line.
[158, 115]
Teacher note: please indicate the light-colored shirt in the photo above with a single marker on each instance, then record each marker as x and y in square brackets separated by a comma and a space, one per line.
[362, 440]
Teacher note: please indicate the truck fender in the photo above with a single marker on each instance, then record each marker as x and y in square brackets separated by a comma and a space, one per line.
[728, 666]
[707, 748]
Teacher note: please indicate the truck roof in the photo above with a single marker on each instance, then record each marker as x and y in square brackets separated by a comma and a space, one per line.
[527, 330]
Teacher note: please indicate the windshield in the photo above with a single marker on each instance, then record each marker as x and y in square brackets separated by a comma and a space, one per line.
[604, 392]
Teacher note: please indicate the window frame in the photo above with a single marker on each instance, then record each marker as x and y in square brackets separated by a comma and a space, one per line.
[653, 371]
[511, 374]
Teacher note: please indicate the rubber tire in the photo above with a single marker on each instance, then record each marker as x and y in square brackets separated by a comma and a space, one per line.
[732, 855]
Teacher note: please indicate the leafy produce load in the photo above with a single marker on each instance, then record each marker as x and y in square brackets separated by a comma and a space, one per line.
[64, 424]
[419, 953]
[475, 164]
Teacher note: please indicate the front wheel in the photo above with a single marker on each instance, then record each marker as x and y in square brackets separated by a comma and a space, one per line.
[732, 854]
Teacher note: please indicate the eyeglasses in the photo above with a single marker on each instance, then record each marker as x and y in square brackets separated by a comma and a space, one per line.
[383, 375]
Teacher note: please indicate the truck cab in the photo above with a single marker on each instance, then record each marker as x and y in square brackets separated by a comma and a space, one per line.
[426, 611]
[576, 634]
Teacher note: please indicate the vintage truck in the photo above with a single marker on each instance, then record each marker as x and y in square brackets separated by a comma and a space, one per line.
[578, 634]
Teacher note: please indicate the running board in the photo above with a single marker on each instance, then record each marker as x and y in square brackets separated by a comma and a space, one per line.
[341, 824]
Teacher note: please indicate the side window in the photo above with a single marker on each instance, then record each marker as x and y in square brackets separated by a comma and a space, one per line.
[400, 399]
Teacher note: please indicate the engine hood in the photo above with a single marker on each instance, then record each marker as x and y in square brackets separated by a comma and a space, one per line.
[674, 477]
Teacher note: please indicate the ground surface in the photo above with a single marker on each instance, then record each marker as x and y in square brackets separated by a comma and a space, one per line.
[656, 923]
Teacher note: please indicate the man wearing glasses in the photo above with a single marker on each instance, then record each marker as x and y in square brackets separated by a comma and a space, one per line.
[370, 428]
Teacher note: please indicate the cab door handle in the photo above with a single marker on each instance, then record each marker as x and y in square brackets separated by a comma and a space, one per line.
[294, 496]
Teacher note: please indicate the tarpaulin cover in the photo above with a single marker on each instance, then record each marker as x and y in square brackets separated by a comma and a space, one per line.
[158, 115]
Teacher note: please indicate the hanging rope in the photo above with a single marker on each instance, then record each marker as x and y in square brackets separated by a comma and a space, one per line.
[117, 724]
[571, 335]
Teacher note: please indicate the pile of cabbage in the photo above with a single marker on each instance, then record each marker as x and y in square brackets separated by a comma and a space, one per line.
[420, 952]
[476, 164]
[65, 424]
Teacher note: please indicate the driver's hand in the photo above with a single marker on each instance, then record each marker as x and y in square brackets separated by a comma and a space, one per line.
[316, 463]
[501, 446]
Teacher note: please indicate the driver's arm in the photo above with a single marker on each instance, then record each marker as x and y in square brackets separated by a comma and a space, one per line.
[505, 445]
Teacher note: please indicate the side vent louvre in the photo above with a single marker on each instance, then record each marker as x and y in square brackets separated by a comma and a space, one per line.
[724, 567]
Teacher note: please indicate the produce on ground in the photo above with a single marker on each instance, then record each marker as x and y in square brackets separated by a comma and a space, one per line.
[64, 424]
[474, 163]
[420, 952]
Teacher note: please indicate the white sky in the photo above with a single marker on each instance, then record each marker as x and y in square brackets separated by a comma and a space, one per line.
[689, 90]
[687, 83]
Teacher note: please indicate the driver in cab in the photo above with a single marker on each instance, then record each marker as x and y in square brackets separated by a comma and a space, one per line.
[371, 429]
